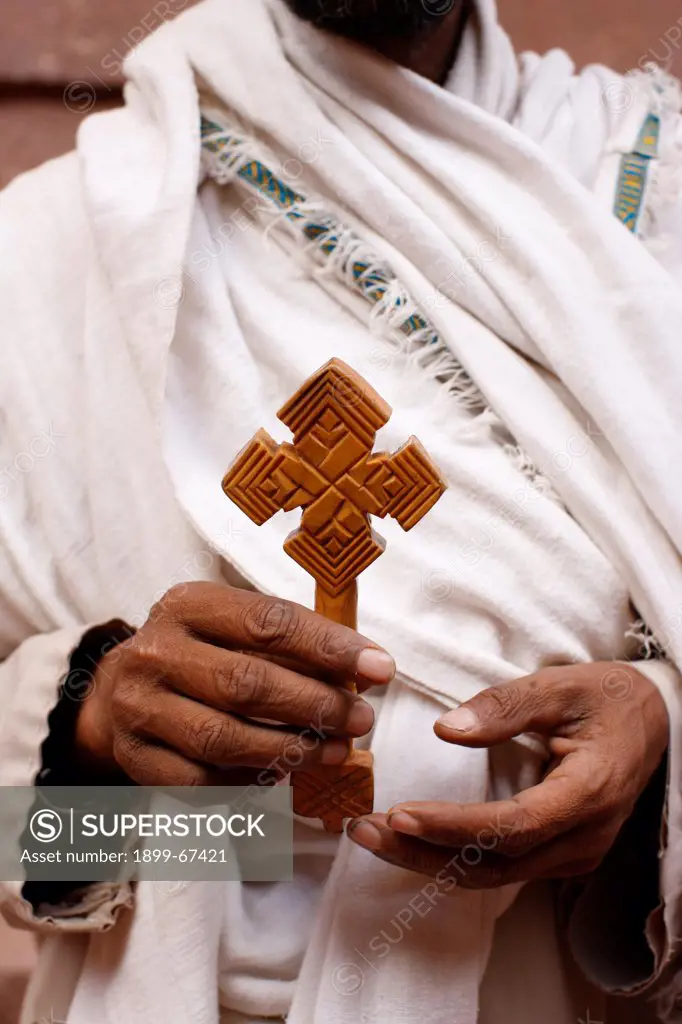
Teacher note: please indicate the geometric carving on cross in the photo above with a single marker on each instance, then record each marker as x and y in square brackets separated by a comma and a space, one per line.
[331, 472]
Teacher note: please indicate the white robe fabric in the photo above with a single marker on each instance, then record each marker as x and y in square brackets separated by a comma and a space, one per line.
[346, 131]
[497, 581]
[399, 187]
[571, 333]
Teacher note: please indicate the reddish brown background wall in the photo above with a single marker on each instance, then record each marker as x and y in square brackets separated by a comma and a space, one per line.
[59, 58]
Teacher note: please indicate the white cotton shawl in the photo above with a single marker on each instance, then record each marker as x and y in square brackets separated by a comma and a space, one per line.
[574, 328]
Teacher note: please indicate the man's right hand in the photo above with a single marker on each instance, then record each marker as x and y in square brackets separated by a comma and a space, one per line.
[178, 703]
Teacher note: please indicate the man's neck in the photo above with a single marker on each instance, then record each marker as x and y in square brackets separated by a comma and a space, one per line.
[433, 53]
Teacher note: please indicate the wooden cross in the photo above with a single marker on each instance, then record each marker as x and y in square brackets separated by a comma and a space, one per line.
[331, 473]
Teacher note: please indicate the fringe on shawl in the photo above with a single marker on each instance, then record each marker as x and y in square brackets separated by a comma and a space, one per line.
[650, 648]
[229, 155]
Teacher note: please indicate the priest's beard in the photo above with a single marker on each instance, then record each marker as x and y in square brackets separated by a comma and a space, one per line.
[375, 21]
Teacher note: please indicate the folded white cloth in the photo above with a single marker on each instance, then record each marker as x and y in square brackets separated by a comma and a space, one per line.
[490, 201]
[471, 225]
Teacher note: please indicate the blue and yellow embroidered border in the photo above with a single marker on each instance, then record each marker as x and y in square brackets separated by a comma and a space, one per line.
[371, 280]
[634, 173]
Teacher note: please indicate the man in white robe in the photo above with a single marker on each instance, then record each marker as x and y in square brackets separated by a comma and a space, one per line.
[494, 243]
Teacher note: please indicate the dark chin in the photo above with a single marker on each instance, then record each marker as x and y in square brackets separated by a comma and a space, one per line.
[371, 21]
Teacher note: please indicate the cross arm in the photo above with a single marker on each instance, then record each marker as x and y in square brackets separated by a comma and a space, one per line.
[267, 477]
[404, 486]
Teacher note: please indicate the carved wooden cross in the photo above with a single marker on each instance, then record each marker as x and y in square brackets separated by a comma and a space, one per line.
[331, 473]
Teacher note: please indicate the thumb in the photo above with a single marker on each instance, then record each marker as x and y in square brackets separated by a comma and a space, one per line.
[531, 704]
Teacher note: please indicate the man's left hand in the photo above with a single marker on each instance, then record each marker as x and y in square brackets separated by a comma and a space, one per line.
[606, 728]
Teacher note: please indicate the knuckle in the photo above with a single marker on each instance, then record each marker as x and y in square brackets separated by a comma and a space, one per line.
[310, 743]
[332, 645]
[322, 708]
[329, 711]
[272, 623]
[597, 791]
[170, 603]
[248, 683]
[192, 775]
[213, 741]
[146, 653]
[527, 833]
[521, 844]
[292, 754]
[182, 598]
[505, 699]
[126, 701]
[128, 753]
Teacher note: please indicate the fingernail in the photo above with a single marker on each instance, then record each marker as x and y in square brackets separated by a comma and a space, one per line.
[360, 718]
[364, 834]
[334, 752]
[400, 821]
[461, 720]
[375, 665]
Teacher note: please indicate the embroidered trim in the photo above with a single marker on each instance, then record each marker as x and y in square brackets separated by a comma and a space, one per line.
[342, 251]
[634, 173]
[228, 155]
[665, 180]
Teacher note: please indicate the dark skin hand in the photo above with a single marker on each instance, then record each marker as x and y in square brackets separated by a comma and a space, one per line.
[606, 727]
[176, 704]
